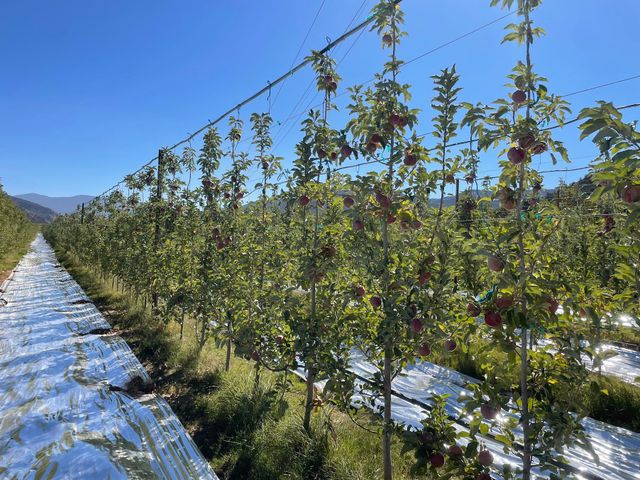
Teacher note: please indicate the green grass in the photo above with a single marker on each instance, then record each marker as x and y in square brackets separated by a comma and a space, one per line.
[245, 434]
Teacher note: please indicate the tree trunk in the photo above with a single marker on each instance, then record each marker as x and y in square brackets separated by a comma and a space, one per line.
[386, 439]
[308, 406]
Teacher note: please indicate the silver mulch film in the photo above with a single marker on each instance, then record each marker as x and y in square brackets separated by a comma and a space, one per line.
[59, 414]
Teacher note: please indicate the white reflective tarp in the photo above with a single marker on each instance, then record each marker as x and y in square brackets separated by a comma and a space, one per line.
[59, 415]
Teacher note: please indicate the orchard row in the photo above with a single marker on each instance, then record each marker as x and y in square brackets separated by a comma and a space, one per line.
[326, 262]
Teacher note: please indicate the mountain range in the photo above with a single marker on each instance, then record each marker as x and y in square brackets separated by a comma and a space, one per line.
[35, 212]
[59, 205]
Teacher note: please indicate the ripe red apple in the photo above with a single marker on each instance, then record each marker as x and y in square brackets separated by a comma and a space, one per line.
[410, 159]
[424, 278]
[631, 194]
[417, 224]
[539, 148]
[583, 313]
[345, 151]
[483, 476]
[552, 305]
[357, 225]
[371, 148]
[391, 219]
[416, 325]
[395, 119]
[383, 200]
[429, 259]
[255, 355]
[450, 178]
[519, 96]
[376, 302]
[489, 412]
[227, 195]
[334, 156]
[424, 350]
[436, 460]
[470, 178]
[526, 141]
[537, 187]
[359, 291]
[321, 153]
[509, 204]
[485, 458]
[303, 200]
[450, 345]
[329, 251]
[332, 87]
[455, 451]
[376, 138]
[504, 302]
[387, 39]
[473, 310]
[279, 339]
[495, 264]
[516, 155]
[493, 319]
[348, 202]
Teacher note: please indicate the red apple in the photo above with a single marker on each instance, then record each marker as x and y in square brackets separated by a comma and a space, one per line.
[526, 141]
[371, 148]
[583, 313]
[329, 251]
[489, 412]
[357, 225]
[552, 305]
[437, 460]
[516, 155]
[539, 148]
[450, 345]
[449, 178]
[410, 159]
[359, 291]
[631, 194]
[279, 339]
[493, 319]
[470, 178]
[395, 119]
[377, 139]
[348, 202]
[376, 302]
[424, 278]
[509, 204]
[321, 153]
[346, 151]
[383, 200]
[391, 219]
[485, 458]
[495, 264]
[255, 355]
[504, 302]
[519, 96]
[417, 224]
[455, 451]
[483, 476]
[387, 39]
[303, 200]
[473, 310]
[424, 350]
[416, 325]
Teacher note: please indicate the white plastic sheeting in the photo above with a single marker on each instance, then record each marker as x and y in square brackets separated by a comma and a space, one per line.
[59, 418]
[618, 449]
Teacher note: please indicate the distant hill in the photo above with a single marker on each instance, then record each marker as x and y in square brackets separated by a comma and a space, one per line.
[35, 212]
[57, 204]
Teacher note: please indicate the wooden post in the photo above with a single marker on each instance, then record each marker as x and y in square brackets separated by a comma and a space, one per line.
[157, 200]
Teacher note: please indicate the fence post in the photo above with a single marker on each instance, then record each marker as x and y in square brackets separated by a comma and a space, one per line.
[157, 200]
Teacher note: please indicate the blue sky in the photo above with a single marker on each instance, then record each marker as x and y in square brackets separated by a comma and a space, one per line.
[89, 90]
